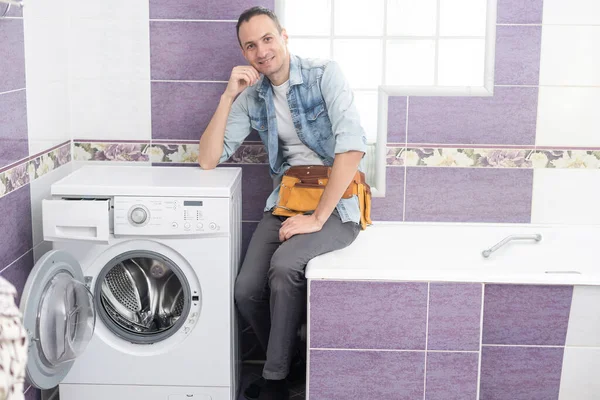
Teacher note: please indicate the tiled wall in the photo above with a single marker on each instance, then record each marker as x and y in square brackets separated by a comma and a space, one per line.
[33, 138]
[401, 340]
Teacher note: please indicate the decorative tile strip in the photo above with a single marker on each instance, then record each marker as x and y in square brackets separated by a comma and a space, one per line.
[188, 153]
[34, 167]
[96, 151]
[492, 158]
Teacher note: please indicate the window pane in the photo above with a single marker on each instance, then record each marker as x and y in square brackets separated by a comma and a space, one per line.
[300, 18]
[360, 60]
[461, 62]
[310, 48]
[411, 17]
[462, 17]
[410, 62]
[358, 17]
[366, 102]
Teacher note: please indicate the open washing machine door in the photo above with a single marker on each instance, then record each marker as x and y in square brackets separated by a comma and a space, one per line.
[59, 315]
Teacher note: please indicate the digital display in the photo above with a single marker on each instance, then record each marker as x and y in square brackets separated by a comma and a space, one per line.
[192, 204]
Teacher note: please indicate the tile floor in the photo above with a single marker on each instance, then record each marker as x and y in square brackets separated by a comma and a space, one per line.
[250, 372]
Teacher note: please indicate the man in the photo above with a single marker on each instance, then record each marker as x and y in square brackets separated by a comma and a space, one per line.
[304, 112]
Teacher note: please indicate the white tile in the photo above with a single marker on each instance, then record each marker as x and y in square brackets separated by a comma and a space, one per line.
[411, 18]
[357, 56]
[584, 320]
[40, 189]
[296, 13]
[461, 62]
[568, 117]
[572, 12]
[47, 115]
[463, 17]
[565, 196]
[46, 49]
[110, 9]
[579, 380]
[109, 49]
[315, 48]
[110, 110]
[570, 55]
[410, 62]
[48, 10]
[347, 12]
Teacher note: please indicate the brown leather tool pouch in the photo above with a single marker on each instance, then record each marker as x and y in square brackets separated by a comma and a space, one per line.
[302, 187]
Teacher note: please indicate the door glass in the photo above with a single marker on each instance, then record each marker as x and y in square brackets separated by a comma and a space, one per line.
[66, 319]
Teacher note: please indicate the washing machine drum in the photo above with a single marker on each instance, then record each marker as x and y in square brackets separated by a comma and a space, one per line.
[141, 295]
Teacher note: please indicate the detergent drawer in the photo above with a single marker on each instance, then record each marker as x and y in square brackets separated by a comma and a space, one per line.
[76, 219]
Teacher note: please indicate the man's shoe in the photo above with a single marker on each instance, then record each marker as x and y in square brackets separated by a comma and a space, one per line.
[297, 371]
[274, 390]
[253, 390]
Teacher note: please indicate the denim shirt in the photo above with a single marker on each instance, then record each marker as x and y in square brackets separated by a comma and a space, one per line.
[323, 112]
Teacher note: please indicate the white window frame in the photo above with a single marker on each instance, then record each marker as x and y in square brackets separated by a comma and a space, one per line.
[376, 156]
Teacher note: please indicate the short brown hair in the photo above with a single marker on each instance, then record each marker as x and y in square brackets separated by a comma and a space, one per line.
[253, 12]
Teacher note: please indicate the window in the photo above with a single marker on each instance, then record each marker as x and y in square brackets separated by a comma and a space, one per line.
[396, 48]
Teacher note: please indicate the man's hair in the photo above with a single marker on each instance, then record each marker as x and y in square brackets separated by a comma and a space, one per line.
[253, 12]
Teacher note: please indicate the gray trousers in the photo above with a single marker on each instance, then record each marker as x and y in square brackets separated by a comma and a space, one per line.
[270, 290]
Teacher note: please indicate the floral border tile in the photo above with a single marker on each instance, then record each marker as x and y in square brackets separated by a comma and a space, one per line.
[33, 168]
[492, 158]
[96, 151]
[188, 153]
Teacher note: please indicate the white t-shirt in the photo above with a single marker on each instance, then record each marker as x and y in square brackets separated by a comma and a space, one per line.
[294, 151]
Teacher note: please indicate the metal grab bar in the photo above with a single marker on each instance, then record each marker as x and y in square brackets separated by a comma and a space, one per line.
[536, 236]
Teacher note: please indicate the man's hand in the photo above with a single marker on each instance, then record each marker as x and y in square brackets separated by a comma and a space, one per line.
[299, 224]
[241, 77]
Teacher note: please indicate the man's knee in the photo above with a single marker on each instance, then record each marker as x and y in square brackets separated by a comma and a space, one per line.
[243, 292]
[285, 270]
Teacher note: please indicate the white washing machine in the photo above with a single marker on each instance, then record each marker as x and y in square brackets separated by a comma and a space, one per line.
[135, 301]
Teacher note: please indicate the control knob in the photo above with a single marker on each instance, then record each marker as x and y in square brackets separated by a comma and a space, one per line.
[138, 215]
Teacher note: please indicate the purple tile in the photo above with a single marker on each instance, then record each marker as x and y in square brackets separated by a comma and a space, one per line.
[248, 229]
[12, 54]
[454, 316]
[345, 375]
[518, 55]
[257, 185]
[13, 11]
[194, 50]
[33, 394]
[13, 127]
[15, 225]
[18, 273]
[526, 314]
[368, 315]
[182, 110]
[397, 119]
[507, 117]
[519, 12]
[452, 376]
[468, 194]
[520, 373]
[389, 208]
[194, 9]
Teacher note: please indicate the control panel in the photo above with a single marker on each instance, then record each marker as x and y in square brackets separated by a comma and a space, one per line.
[170, 215]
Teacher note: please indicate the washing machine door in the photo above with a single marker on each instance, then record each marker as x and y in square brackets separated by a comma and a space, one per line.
[59, 315]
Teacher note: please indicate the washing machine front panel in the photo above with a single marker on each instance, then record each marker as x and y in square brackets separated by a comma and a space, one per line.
[59, 316]
[198, 353]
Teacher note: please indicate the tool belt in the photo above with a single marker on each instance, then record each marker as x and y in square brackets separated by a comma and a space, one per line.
[302, 187]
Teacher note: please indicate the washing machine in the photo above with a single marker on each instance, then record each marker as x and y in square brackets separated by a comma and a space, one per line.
[135, 299]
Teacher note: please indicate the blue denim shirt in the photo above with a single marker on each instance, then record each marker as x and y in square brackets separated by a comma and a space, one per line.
[323, 112]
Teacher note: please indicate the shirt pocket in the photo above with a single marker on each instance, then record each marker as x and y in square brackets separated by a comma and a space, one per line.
[315, 112]
[259, 124]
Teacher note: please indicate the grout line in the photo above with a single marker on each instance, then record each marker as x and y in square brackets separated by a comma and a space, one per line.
[426, 337]
[192, 20]
[12, 91]
[398, 350]
[480, 340]
[21, 256]
[524, 345]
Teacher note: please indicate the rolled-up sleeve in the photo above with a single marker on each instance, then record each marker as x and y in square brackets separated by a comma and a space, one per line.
[343, 114]
[237, 129]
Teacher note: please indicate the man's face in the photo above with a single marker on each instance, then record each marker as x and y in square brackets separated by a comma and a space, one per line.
[262, 44]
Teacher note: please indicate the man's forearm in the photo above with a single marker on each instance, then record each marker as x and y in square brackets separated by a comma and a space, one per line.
[211, 141]
[344, 168]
